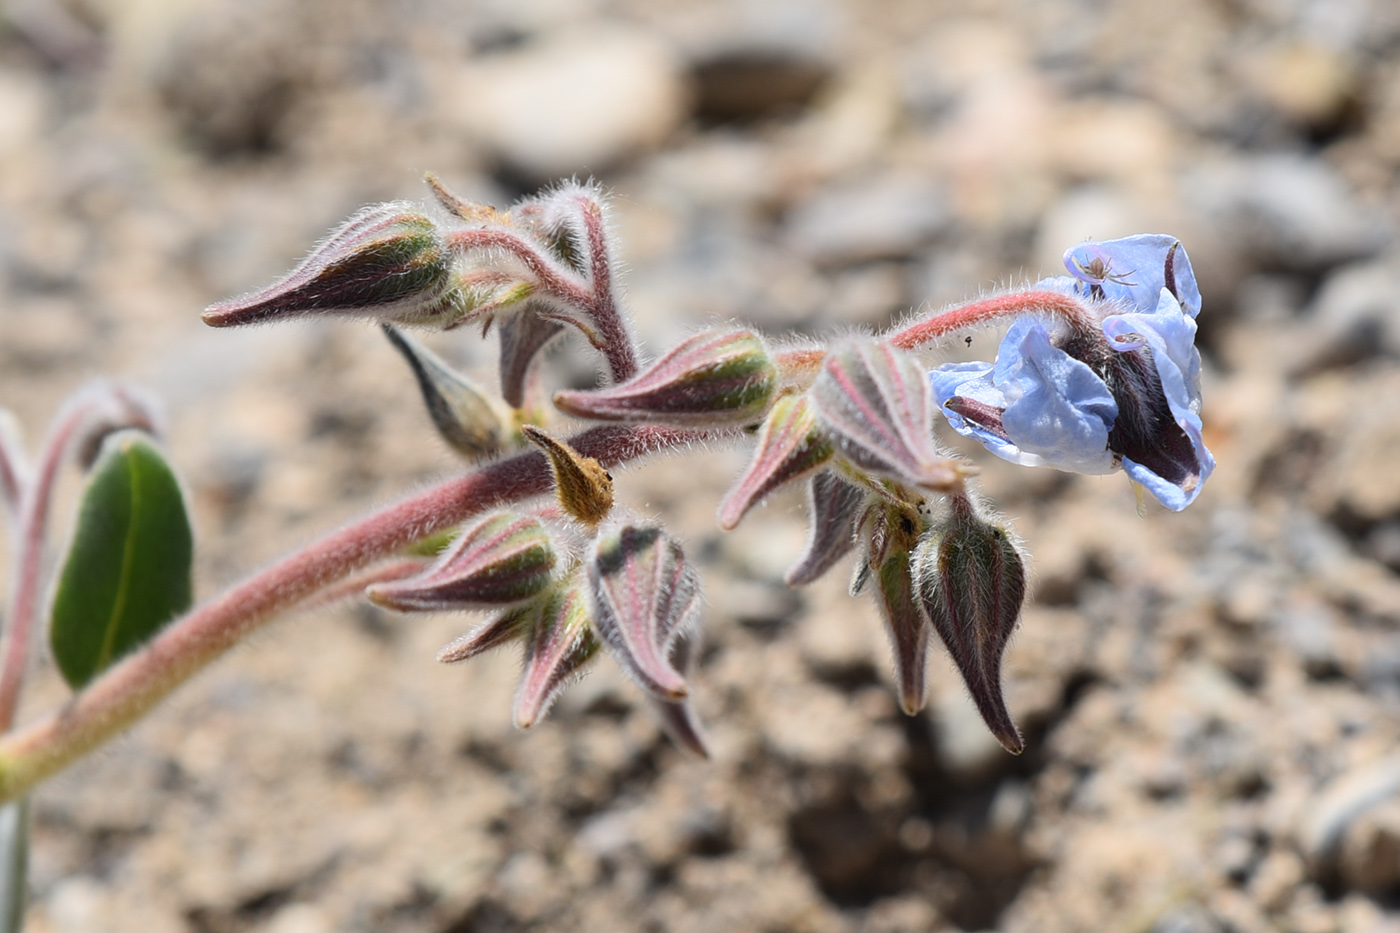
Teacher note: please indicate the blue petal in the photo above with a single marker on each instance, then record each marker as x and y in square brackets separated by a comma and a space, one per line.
[1133, 270]
[1057, 412]
[1171, 335]
[1062, 411]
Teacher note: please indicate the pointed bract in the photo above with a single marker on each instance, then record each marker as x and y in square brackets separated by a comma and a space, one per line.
[790, 445]
[645, 595]
[972, 582]
[462, 413]
[504, 558]
[501, 629]
[556, 651]
[388, 262]
[832, 507]
[715, 379]
[584, 487]
[523, 335]
[890, 533]
[678, 718]
[874, 400]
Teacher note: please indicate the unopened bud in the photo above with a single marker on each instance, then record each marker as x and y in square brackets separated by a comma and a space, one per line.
[556, 650]
[645, 596]
[523, 335]
[890, 533]
[972, 582]
[832, 506]
[790, 445]
[388, 262]
[462, 413]
[504, 558]
[713, 379]
[874, 401]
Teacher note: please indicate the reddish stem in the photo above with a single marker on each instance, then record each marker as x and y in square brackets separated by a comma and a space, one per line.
[992, 310]
[617, 341]
[27, 578]
[126, 691]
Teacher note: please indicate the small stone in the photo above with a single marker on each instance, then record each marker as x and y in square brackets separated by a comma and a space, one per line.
[573, 104]
[1341, 805]
[1369, 854]
[1356, 315]
[1286, 212]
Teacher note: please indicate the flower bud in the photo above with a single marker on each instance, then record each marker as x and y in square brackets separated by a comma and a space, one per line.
[890, 532]
[560, 643]
[790, 444]
[388, 262]
[504, 558]
[712, 379]
[874, 400]
[832, 504]
[645, 596]
[972, 582]
[462, 413]
[523, 335]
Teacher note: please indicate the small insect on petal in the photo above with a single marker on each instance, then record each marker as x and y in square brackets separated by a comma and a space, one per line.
[715, 379]
[504, 558]
[645, 596]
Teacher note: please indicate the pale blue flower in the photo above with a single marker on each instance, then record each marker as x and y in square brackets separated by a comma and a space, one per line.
[1125, 394]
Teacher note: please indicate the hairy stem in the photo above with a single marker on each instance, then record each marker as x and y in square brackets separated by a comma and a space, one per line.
[128, 690]
[26, 583]
[987, 311]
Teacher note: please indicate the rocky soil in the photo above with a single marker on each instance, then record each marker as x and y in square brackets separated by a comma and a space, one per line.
[1211, 698]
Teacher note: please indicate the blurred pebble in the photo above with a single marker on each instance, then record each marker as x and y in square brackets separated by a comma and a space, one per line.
[1341, 804]
[576, 102]
[1356, 315]
[1283, 211]
[887, 217]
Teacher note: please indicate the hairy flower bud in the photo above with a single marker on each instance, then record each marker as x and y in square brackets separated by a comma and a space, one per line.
[558, 646]
[874, 400]
[523, 335]
[790, 445]
[389, 262]
[832, 504]
[716, 378]
[890, 532]
[504, 558]
[972, 582]
[462, 413]
[646, 595]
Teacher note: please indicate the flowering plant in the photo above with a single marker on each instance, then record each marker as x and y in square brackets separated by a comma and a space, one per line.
[1098, 371]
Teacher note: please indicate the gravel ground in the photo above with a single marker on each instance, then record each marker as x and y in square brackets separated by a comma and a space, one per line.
[1211, 699]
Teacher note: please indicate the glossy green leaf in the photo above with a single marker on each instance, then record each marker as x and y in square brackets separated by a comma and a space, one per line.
[127, 571]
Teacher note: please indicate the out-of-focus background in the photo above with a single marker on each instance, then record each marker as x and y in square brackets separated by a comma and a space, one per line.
[1211, 698]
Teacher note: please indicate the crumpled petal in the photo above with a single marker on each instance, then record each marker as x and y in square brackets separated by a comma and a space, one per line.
[1053, 409]
[1133, 270]
[1170, 336]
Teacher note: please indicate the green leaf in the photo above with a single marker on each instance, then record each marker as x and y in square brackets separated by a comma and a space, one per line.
[127, 572]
